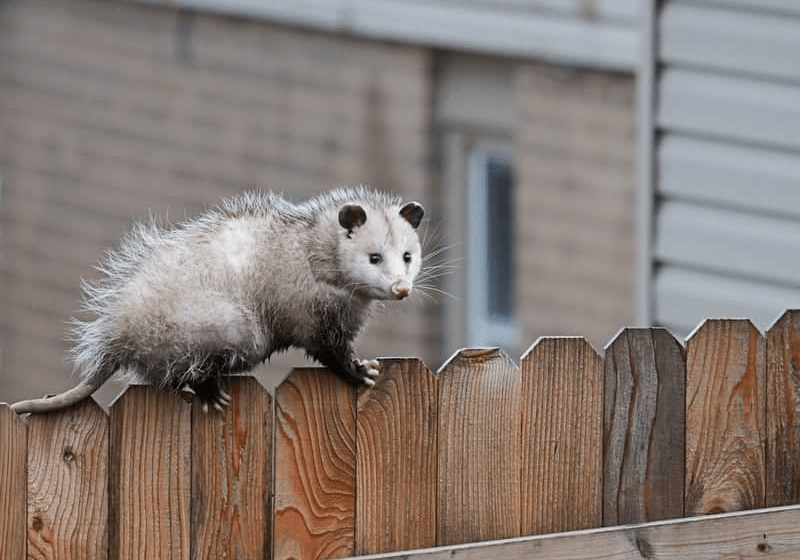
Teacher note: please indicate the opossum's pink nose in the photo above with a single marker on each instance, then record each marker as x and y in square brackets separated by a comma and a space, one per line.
[401, 289]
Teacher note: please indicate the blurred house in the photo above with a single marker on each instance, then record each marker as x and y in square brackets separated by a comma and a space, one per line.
[720, 162]
[512, 121]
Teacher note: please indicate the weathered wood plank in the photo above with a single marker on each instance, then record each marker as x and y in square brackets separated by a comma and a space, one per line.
[232, 474]
[396, 459]
[479, 447]
[13, 443]
[644, 419]
[783, 411]
[150, 475]
[315, 440]
[768, 533]
[562, 436]
[68, 483]
[725, 425]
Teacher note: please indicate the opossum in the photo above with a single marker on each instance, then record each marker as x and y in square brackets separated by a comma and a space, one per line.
[178, 307]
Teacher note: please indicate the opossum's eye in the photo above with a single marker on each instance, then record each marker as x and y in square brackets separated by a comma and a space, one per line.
[407, 257]
[375, 258]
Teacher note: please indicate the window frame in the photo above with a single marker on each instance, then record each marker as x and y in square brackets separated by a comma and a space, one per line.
[483, 328]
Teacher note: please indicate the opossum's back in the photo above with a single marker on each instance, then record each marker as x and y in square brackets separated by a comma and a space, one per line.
[216, 254]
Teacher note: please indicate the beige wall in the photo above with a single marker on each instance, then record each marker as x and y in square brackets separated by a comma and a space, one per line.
[575, 149]
[111, 111]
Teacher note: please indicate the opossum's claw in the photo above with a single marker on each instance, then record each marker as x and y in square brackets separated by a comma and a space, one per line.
[210, 393]
[370, 369]
[219, 402]
[373, 367]
[223, 398]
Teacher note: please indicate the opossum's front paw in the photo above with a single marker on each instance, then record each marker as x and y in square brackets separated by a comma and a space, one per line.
[368, 370]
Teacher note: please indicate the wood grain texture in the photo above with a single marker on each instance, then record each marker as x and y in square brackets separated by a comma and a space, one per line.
[232, 475]
[150, 475]
[315, 440]
[783, 411]
[479, 447]
[771, 534]
[725, 425]
[562, 436]
[68, 483]
[396, 459]
[644, 425]
[13, 458]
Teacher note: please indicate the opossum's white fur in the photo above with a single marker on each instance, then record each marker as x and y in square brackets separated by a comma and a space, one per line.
[177, 307]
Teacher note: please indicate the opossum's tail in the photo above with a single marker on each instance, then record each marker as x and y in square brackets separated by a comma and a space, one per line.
[91, 356]
[81, 391]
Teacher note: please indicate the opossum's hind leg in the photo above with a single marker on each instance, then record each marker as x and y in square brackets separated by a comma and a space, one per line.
[210, 393]
[202, 340]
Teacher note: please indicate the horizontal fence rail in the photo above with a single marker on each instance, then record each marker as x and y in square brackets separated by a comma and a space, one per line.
[483, 449]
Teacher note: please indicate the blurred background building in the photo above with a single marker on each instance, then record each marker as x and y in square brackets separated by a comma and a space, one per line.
[513, 121]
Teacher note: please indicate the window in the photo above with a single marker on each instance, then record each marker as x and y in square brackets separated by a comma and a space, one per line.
[474, 108]
[490, 283]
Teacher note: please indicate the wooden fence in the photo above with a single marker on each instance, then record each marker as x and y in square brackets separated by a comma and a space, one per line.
[570, 440]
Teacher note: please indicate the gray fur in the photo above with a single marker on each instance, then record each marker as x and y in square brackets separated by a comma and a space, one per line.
[178, 307]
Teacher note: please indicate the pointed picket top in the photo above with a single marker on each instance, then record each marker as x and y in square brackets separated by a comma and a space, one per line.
[736, 322]
[725, 417]
[13, 442]
[397, 459]
[562, 436]
[475, 357]
[398, 371]
[547, 341]
[395, 369]
[782, 317]
[479, 495]
[68, 453]
[315, 447]
[783, 401]
[644, 422]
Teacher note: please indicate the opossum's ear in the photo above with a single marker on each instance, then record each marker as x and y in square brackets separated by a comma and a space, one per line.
[352, 216]
[413, 212]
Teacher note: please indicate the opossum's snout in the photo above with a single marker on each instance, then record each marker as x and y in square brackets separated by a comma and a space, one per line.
[401, 289]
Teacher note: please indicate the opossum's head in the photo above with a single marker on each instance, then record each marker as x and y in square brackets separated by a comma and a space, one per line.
[379, 250]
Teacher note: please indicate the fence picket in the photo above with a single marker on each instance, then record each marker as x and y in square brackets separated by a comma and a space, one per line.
[150, 475]
[68, 483]
[479, 447]
[644, 417]
[396, 459]
[725, 426]
[232, 475]
[562, 430]
[783, 411]
[13, 443]
[315, 437]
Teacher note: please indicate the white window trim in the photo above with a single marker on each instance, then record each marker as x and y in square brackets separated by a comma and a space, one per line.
[479, 323]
